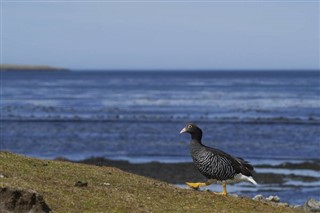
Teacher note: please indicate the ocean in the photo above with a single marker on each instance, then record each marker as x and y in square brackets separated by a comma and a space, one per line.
[266, 117]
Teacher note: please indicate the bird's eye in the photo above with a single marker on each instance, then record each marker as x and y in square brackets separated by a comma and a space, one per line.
[189, 126]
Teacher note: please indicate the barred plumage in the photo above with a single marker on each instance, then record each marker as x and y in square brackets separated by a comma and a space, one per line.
[215, 164]
[210, 164]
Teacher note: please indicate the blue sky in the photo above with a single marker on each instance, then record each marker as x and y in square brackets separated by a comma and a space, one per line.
[162, 34]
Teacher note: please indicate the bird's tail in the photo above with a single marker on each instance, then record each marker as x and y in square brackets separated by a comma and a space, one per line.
[251, 180]
[241, 177]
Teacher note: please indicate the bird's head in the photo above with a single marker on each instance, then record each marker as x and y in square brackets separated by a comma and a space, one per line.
[193, 129]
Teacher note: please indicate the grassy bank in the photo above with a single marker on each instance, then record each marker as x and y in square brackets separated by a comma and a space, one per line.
[112, 190]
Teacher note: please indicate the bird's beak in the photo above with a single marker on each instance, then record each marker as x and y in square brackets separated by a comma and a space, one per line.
[183, 130]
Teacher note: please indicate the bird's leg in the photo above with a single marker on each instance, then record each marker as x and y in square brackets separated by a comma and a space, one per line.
[199, 184]
[224, 192]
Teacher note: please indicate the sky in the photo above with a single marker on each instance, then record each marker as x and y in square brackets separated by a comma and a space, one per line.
[161, 34]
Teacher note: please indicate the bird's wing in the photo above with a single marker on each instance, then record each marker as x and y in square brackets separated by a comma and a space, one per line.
[245, 163]
[239, 165]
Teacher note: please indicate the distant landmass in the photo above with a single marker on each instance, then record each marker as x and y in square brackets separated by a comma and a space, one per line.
[14, 67]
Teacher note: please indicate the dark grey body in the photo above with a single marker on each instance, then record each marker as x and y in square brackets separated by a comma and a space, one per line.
[214, 163]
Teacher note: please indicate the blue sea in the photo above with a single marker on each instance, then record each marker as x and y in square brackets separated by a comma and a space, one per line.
[266, 117]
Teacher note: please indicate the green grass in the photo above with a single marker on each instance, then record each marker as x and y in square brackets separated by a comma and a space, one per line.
[112, 190]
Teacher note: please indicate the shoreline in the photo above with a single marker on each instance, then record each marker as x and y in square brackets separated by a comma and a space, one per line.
[177, 173]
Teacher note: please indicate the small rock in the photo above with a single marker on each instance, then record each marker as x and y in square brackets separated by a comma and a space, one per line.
[81, 184]
[106, 184]
[312, 205]
[2, 176]
[272, 198]
[258, 198]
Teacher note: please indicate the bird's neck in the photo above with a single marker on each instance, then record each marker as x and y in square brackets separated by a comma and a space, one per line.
[195, 147]
[196, 137]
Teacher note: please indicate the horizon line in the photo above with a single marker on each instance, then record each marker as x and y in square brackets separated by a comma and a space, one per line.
[189, 70]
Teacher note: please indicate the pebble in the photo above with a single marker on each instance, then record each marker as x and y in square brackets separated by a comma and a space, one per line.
[258, 198]
[272, 198]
